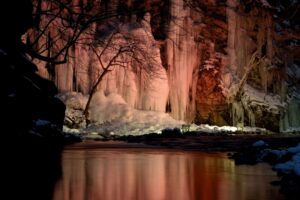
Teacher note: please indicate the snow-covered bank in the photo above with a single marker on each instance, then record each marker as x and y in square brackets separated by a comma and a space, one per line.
[111, 115]
[285, 161]
[292, 165]
[287, 164]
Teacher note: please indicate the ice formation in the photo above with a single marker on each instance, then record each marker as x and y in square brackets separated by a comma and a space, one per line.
[182, 60]
[112, 115]
[196, 66]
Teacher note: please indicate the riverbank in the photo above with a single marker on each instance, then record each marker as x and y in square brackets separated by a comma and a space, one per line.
[195, 141]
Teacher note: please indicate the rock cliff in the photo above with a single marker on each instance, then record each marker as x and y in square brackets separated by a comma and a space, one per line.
[218, 62]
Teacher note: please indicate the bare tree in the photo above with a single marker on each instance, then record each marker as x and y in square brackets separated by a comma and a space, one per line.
[60, 24]
[121, 50]
[254, 61]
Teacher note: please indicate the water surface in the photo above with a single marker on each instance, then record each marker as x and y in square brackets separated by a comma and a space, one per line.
[151, 174]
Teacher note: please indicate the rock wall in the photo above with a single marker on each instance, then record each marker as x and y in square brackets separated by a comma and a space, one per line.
[260, 26]
[203, 52]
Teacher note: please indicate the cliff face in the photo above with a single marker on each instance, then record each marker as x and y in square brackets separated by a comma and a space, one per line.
[261, 26]
[218, 62]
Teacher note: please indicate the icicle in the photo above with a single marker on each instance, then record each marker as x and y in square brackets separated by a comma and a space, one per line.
[290, 120]
[249, 112]
[182, 59]
[238, 115]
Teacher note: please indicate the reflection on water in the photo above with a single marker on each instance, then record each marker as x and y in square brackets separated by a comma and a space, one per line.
[129, 174]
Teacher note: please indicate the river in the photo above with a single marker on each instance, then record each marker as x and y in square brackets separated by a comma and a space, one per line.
[160, 174]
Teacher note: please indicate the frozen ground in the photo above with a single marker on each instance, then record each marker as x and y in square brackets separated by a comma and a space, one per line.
[110, 115]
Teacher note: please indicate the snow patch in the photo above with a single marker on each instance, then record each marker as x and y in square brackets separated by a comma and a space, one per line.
[256, 97]
[259, 143]
[111, 114]
[41, 122]
[294, 150]
[293, 165]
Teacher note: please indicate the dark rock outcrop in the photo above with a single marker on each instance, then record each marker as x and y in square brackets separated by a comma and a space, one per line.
[27, 98]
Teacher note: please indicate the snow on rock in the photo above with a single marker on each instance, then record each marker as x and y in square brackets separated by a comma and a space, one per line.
[108, 108]
[111, 114]
[289, 166]
[41, 122]
[294, 149]
[259, 143]
[293, 165]
[286, 167]
[296, 160]
[291, 130]
[70, 130]
[260, 98]
[216, 129]
[75, 104]
[257, 108]
[278, 153]
[73, 100]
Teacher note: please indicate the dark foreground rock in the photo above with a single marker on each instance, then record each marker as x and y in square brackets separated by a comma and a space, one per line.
[30, 167]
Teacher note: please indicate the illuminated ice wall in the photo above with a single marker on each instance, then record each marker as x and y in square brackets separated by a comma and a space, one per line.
[201, 51]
